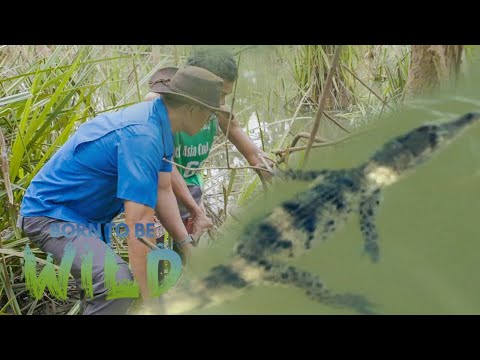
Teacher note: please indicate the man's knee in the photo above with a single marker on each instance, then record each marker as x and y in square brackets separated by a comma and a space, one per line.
[124, 273]
[99, 305]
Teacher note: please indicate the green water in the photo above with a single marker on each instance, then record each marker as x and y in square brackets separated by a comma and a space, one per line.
[429, 248]
[428, 227]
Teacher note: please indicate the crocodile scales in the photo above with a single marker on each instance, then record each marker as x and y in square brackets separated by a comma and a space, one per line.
[266, 244]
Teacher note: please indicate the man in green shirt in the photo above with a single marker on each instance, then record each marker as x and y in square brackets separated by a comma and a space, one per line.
[192, 151]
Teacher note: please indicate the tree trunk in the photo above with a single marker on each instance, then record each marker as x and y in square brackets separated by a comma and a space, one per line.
[432, 66]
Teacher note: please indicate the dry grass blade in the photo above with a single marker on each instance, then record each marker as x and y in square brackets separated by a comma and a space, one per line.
[336, 122]
[32, 307]
[368, 87]
[231, 114]
[75, 309]
[5, 167]
[323, 99]
[6, 282]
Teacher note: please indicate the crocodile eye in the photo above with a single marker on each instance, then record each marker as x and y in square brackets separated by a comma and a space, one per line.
[284, 244]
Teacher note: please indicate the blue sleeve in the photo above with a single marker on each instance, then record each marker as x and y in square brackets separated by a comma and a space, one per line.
[139, 162]
[166, 166]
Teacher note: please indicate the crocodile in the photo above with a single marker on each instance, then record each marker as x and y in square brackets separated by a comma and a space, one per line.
[264, 247]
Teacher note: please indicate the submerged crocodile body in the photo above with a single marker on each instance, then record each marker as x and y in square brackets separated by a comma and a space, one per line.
[290, 229]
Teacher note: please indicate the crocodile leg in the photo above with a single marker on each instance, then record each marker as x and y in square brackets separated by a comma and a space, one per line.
[314, 288]
[368, 207]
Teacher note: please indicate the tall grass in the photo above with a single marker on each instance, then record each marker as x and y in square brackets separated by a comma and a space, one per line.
[42, 102]
[368, 78]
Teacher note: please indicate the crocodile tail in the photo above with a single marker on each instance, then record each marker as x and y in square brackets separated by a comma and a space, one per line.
[301, 175]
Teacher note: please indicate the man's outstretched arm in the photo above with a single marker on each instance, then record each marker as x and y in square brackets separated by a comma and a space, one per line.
[243, 143]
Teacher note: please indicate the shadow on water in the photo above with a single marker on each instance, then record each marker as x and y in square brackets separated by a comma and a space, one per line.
[428, 227]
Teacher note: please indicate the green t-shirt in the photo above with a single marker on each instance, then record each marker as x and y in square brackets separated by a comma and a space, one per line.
[192, 151]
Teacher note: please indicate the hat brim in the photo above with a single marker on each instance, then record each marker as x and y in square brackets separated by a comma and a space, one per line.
[161, 88]
[165, 73]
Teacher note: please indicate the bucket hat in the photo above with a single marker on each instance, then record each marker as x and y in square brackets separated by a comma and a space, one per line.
[190, 82]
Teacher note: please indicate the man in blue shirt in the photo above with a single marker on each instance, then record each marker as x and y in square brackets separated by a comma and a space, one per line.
[118, 162]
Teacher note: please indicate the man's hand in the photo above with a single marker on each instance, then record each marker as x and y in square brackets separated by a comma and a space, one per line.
[253, 155]
[268, 165]
[201, 223]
